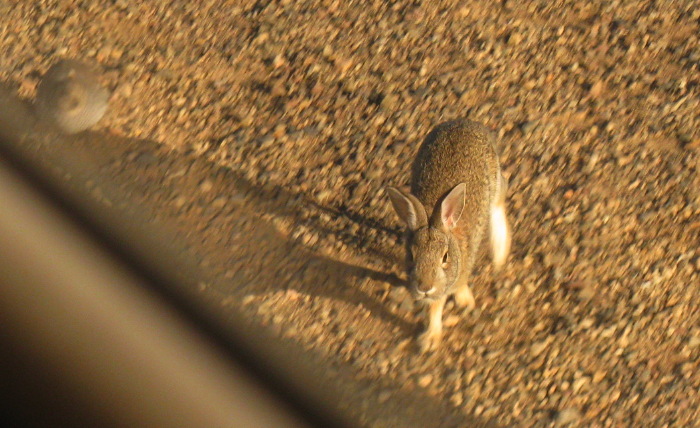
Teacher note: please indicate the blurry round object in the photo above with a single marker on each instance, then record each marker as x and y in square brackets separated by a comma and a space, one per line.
[71, 97]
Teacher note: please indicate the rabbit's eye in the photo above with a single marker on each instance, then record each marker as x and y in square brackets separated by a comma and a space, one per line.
[445, 259]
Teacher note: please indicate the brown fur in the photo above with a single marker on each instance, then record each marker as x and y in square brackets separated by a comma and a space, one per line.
[459, 151]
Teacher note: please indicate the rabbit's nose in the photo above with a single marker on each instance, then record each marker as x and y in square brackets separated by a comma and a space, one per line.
[426, 293]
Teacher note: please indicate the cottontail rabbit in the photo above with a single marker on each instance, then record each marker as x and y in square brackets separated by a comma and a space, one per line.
[70, 97]
[457, 191]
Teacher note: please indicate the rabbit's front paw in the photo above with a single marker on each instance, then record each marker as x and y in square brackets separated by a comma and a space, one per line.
[464, 298]
[429, 340]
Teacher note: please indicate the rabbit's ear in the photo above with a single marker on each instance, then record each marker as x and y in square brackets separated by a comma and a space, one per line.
[408, 208]
[452, 206]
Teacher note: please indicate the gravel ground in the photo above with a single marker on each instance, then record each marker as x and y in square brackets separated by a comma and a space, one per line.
[313, 107]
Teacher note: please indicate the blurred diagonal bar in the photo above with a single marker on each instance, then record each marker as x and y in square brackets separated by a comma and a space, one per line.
[107, 352]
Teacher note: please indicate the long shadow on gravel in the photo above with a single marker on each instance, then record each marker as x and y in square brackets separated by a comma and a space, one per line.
[301, 210]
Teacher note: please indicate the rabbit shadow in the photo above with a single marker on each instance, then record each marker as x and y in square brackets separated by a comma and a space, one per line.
[303, 268]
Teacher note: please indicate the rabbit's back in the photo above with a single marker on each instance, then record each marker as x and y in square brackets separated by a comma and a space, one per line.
[454, 152]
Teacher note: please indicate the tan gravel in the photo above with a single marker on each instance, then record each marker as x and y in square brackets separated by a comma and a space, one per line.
[318, 105]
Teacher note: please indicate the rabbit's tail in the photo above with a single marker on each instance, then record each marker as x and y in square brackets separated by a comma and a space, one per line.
[499, 228]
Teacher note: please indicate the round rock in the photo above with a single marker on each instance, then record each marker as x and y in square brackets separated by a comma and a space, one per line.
[71, 97]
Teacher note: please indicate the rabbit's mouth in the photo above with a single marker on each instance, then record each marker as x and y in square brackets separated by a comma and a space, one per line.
[427, 295]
